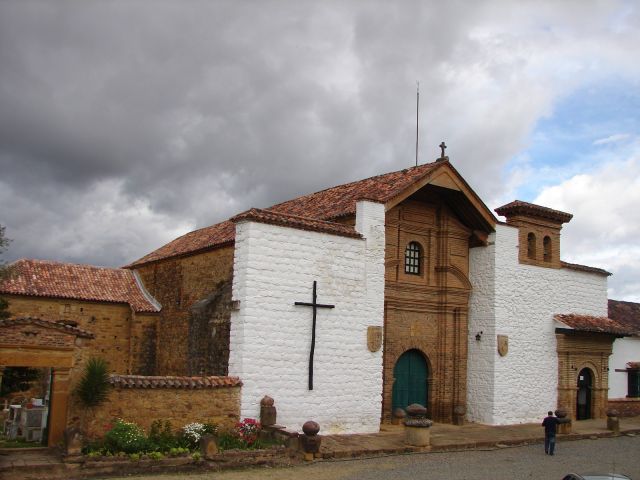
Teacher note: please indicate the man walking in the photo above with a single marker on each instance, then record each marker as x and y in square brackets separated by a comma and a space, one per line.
[550, 424]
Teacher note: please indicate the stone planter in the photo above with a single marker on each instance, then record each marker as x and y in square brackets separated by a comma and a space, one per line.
[613, 422]
[564, 423]
[416, 426]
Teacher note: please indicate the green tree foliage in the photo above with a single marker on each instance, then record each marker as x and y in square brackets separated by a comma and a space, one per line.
[17, 379]
[94, 385]
[4, 273]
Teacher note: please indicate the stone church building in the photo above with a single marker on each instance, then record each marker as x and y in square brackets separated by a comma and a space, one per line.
[346, 304]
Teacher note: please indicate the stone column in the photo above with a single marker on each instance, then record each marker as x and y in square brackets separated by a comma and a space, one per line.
[58, 406]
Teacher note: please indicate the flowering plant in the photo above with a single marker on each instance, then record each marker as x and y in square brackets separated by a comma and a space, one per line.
[125, 437]
[248, 430]
[193, 432]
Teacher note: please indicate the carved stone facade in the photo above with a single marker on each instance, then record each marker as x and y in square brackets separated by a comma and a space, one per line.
[577, 352]
[427, 311]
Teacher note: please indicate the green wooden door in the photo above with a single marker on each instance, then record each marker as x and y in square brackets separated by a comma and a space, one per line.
[410, 385]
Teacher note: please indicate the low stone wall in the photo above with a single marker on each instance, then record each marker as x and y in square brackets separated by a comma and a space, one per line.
[180, 400]
[626, 407]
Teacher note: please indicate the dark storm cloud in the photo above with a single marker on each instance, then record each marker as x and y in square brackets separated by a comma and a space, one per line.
[123, 124]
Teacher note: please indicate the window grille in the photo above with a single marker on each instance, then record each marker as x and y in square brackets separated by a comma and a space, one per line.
[412, 257]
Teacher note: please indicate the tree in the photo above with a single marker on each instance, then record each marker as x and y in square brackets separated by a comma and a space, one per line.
[4, 273]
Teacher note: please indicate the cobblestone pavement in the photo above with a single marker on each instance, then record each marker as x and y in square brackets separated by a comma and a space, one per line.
[619, 454]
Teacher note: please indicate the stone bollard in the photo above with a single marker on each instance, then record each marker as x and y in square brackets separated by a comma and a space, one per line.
[416, 426]
[564, 423]
[397, 416]
[459, 412]
[208, 446]
[613, 422]
[310, 441]
[73, 439]
[268, 412]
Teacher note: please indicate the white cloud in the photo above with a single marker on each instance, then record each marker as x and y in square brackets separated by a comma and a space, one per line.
[605, 228]
[618, 137]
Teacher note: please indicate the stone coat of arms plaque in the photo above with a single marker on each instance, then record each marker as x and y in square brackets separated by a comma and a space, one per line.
[503, 345]
[374, 338]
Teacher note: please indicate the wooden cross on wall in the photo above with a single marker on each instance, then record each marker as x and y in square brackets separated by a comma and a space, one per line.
[315, 306]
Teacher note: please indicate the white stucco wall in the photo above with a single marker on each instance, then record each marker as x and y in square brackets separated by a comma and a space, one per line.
[624, 350]
[509, 298]
[270, 337]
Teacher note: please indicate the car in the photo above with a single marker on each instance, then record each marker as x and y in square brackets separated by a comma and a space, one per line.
[596, 476]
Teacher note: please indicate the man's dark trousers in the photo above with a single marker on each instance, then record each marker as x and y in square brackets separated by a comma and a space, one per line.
[549, 443]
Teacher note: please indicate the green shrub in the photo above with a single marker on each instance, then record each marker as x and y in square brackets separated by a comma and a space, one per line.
[155, 455]
[174, 452]
[125, 437]
[162, 438]
[196, 456]
[94, 385]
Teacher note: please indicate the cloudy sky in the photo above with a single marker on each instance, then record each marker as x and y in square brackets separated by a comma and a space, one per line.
[126, 124]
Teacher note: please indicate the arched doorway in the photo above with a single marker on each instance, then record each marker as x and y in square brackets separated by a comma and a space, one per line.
[583, 400]
[410, 380]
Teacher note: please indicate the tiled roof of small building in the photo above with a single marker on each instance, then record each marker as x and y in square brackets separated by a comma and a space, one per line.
[590, 323]
[140, 381]
[518, 207]
[585, 268]
[625, 313]
[327, 204]
[44, 278]
[61, 326]
[294, 221]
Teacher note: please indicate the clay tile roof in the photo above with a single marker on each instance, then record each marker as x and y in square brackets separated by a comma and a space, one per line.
[585, 268]
[589, 323]
[626, 313]
[294, 221]
[518, 207]
[140, 381]
[43, 278]
[60, 326]
[328, 204]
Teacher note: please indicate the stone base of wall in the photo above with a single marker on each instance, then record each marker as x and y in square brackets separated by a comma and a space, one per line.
[180, 400]
[627, 407]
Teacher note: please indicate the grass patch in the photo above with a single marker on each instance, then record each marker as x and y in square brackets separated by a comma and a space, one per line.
[4, 443]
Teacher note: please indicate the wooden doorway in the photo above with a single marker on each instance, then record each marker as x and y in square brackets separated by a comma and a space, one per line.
[411, 374]
[584, 396]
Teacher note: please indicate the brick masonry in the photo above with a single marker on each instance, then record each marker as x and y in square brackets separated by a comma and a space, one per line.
[177, 405]
[626, 407]
[123, 338]
[179, 284]
[428, 312]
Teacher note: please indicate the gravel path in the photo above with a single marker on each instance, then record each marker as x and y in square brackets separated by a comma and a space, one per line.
[621, 454]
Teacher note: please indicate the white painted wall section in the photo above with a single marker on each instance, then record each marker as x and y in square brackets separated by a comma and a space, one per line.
[521, 386]
[275, 266]
[624, 350]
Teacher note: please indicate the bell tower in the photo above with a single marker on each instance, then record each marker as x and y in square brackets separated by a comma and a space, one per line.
[539, 232]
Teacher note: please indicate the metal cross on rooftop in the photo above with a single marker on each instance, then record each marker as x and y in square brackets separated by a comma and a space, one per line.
[442, 147]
